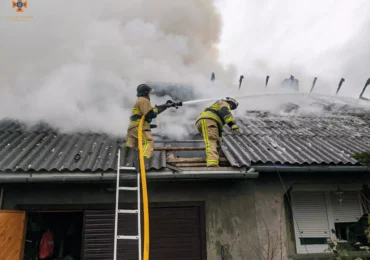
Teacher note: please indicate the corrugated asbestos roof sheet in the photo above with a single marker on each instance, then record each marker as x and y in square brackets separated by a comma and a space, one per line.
[265, 138]
[40, 149]
[296, 140]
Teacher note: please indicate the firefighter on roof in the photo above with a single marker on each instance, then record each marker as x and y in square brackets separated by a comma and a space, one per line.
[210, 124]
[142, 107]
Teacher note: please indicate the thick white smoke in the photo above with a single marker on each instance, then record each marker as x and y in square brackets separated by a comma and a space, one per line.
[76, 65]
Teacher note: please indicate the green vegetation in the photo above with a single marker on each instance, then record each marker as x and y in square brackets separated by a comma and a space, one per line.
[363, 158]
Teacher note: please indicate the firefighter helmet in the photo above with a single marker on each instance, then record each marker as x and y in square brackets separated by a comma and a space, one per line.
[232, 102]
[143, 90]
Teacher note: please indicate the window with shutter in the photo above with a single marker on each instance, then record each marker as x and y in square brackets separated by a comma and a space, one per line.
[345, 212]
[311, 223]
[318, 213]
[349, 210]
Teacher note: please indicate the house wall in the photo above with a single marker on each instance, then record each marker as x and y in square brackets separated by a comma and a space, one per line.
[230, 207]
[240, 214]
[272, 227]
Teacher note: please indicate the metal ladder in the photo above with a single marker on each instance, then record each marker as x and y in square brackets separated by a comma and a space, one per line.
[126, 211]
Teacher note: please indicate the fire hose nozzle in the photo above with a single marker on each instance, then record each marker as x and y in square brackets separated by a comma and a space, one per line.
[170, 103]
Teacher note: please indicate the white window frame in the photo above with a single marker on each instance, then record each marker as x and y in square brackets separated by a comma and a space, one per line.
[327, 190]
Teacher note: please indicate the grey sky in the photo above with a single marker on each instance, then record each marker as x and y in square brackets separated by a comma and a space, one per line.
[306, 38]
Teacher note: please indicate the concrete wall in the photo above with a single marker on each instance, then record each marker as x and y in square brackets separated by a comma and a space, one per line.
[275, 226]
[271, 219]
[240, 215]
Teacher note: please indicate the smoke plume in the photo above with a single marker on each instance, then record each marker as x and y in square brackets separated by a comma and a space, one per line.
[76, 65]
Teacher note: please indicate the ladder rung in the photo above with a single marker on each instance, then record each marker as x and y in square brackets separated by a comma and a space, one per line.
[128, 237]
[128, 211]
[127, 168]
[128, 188]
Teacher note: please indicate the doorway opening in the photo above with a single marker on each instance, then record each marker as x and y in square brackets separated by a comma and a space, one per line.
[66, 235]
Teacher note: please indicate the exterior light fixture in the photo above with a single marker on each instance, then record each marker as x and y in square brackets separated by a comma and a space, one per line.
[339, 194]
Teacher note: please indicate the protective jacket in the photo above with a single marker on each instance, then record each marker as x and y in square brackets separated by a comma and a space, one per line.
[142, 107]
[220, 113]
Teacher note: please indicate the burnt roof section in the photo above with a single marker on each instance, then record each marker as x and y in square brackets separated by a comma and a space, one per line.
[265, 139]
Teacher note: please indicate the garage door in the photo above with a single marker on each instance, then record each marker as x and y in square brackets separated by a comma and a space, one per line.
[176, 232]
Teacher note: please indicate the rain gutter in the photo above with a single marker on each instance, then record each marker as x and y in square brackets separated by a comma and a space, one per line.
[310, 168]
[38, 177]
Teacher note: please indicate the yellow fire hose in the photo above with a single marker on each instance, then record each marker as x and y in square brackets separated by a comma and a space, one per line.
[144, 190]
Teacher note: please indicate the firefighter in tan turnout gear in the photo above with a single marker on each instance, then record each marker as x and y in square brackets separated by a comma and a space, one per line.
[210, 124]
[142, 107]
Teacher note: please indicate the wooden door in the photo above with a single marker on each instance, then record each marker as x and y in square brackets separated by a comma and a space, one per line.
[12, 234]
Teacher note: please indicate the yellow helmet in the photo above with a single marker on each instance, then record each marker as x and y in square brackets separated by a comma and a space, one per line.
[232, 102]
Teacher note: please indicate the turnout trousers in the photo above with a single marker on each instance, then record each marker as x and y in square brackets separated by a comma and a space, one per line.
[208, 128]
[148, 141]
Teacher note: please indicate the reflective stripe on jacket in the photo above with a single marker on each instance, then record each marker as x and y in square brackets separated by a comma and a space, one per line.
[214, 112]
[141, 107]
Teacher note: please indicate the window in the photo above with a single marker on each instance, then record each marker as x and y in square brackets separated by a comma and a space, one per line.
[318, 216]
[342, 230]
[313, 241]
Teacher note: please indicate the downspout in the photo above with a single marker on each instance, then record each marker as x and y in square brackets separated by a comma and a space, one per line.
[111, 176]
[1, 198]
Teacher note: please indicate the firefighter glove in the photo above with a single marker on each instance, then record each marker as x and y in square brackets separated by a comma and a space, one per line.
[161, 108]
[235, 128]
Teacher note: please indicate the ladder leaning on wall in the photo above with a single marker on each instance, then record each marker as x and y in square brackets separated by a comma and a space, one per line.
[141, 181]
[126, 211]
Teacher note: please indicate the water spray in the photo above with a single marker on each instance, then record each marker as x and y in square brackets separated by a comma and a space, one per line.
[242, 97]
[263, 95]
[199, 101]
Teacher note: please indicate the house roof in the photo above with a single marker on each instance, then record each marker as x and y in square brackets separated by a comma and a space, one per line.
[39, 148]
[270, 139]
[265, 139]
